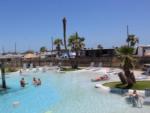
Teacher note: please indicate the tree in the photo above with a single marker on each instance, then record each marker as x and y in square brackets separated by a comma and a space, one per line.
[64, 32]
[3, 75]
[76, 43]
[65, 38]
[43, 49]
[65, 43]
[58, 43]
[132, 40]
[125, 53]
[99, 46]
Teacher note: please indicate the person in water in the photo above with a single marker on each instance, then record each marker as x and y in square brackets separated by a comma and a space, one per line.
[22, 82]
[34, 82]
[20, 71]
[135, 97]
[39, 81]
[137, 100]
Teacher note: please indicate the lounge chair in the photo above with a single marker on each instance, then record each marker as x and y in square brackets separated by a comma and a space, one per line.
[91, 66]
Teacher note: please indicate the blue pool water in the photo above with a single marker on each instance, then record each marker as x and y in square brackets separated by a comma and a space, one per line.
[70, 92]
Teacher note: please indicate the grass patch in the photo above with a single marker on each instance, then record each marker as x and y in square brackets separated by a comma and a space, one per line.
[10, 69]
[139, 85]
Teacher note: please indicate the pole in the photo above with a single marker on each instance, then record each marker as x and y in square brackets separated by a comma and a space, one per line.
[52, 43]
[127, 31]
[3, 50]
[128, 35]
[15, 48]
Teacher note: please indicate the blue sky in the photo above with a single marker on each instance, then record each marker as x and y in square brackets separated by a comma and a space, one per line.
[32, 23]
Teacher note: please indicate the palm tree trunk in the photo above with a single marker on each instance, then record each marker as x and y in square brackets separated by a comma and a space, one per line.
[3, 76]
[64, 31]
[130, 77]
[122, 77]
[39, 61]
[76, 51]
[65, 44]
[130, 82]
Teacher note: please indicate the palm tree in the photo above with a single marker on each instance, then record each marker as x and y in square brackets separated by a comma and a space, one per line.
[58, 43]
[65, 43]
[64, 34]
[43, 49]
[99, 46]
[132, 40]
[3, 75]
[76, 43]
[125, 53]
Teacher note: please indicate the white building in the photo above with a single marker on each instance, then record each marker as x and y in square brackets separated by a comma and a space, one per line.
[143, 50]
[65, 55]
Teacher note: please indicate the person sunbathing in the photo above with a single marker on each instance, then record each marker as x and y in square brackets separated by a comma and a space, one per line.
[105, 77]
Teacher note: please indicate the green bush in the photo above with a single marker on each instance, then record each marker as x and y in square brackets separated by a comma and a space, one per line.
[10, 69]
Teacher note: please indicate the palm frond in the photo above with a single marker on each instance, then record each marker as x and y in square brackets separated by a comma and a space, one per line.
[125, 54]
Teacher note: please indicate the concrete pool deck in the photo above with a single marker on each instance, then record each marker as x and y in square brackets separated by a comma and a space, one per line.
[113, 78]
[112, 73]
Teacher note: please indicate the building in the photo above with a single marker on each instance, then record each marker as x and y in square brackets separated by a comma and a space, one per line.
[143, 51]
[11, 59]
[97, 52]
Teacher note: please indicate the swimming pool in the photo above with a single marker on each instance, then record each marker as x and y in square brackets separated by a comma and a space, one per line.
[70, 92]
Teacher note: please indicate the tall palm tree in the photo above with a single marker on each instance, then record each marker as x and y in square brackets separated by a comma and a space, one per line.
[132, 40]
[3, 75]
[65, 43]
[64, 34]
[125, 54]
[58, 43]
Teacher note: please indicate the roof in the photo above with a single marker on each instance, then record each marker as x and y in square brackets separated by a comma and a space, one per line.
[10, 56]
[144, 46]
[30, 55]
[146, 64]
